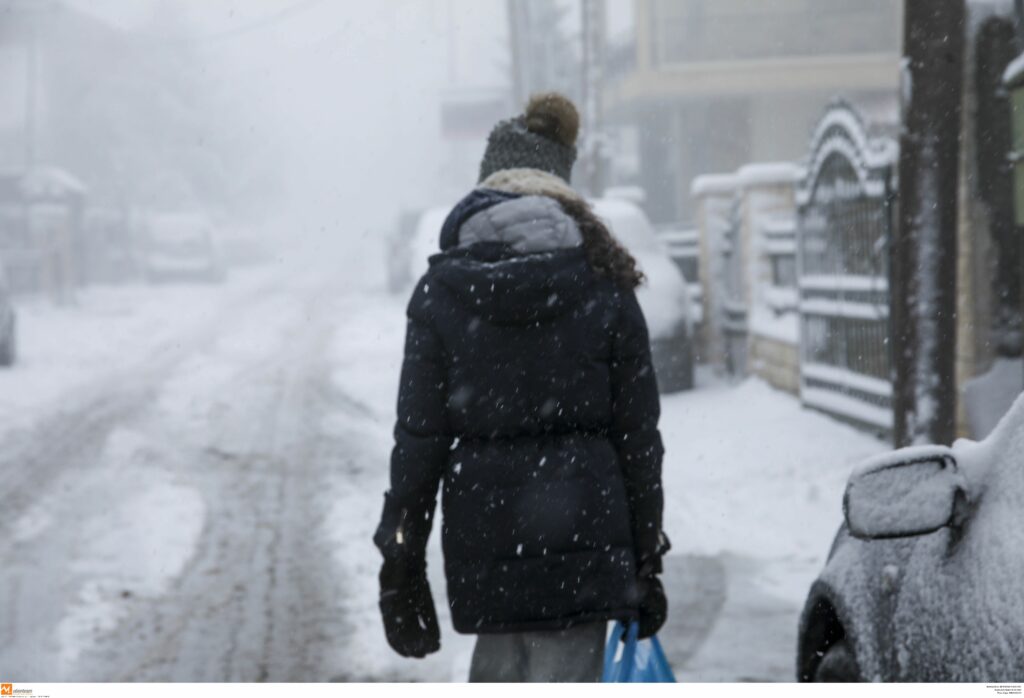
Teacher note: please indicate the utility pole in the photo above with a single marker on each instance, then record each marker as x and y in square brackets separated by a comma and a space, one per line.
[924, 249]
[594, 26]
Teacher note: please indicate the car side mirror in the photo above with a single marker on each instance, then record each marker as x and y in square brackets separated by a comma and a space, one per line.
[909, 492]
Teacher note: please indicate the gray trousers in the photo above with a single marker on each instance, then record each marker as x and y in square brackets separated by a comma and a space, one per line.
[575, 655]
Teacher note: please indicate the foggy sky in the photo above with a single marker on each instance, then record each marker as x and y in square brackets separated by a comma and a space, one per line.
[347, 92]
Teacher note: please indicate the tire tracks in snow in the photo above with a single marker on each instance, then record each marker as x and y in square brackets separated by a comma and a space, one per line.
[256, 599]
[255, 602]
[74, 434]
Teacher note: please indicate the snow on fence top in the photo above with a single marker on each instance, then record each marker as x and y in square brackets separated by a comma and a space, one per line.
[768, 173]
[778, 227]
[714, 184]
[842, 131]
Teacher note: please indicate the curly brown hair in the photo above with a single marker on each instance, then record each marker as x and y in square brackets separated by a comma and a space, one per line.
[604, 253]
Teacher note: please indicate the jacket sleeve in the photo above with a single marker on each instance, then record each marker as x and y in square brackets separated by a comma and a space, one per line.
[422, 441]
[634, 432]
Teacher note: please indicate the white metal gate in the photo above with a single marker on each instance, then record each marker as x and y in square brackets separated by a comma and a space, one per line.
[844, 223]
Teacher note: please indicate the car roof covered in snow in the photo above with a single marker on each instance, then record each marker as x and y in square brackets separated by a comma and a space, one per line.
[664, 296]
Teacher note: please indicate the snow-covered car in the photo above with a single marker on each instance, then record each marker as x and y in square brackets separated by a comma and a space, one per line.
[425, 242]
[398, 251]
[925, 580]
[664, 297]
[241, 246]
[181, 246]
[8, 323]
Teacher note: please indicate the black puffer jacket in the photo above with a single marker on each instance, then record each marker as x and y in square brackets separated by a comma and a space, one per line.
[527, 390]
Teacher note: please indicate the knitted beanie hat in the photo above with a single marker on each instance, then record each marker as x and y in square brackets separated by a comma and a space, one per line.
[542, 138]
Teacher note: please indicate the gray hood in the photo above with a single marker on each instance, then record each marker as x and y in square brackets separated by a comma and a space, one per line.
[528, 224]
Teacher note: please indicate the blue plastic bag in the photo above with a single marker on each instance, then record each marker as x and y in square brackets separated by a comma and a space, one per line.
[640, 661]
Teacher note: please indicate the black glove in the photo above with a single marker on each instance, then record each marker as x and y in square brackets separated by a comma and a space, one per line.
[653, 607]
[410, 620]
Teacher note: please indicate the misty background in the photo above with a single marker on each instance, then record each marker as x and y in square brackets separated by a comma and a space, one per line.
[322, 115]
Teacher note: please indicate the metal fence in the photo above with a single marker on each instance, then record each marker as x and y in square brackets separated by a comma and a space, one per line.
[734, 304]
[844, 223]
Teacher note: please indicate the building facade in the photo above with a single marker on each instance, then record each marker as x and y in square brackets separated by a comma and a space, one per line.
[714, 84]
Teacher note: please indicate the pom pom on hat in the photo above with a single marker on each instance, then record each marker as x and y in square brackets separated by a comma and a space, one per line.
[553, 116]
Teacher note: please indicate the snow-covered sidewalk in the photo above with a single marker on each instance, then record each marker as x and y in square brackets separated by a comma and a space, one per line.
[753, 486]
[748, 471]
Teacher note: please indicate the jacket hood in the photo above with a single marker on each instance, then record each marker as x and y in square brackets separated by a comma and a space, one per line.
[508, 288]
[527, 224]
[512, 257]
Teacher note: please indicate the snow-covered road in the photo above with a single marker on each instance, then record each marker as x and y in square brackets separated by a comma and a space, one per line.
[167, 519]
[198, 505]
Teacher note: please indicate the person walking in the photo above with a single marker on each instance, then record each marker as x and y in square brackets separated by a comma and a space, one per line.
[528, 394]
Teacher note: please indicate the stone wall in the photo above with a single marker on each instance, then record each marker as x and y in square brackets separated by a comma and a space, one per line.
[776, 362]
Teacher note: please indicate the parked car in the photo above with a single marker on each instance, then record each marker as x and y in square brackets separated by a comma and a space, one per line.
[664, 297]
[181, 246]
[242, 246]
[425, 242]
[398, 251]
[8, 323]
[111, 252]
[925, 580]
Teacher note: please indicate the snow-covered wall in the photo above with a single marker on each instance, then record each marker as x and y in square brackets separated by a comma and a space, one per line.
[768, 220]
[714, 198]
[745, 219]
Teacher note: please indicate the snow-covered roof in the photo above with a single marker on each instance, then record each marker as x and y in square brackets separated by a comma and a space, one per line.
[714, 184]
